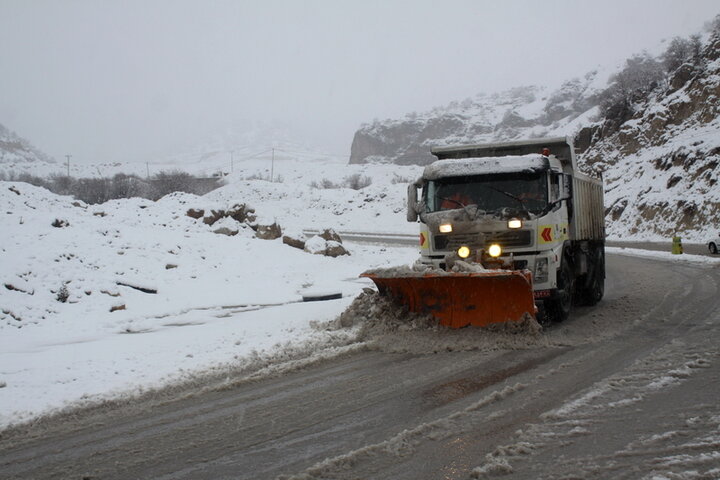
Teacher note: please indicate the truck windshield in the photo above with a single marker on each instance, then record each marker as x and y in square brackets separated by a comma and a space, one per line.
[491, 193]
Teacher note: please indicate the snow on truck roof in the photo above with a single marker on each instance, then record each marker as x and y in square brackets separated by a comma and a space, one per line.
[485, 165]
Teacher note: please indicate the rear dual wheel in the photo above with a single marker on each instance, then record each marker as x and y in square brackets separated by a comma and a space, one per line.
[557, 309]
[595, 291]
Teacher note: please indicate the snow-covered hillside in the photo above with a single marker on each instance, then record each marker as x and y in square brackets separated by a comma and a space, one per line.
[19, 155]
[519, 113]
[130, 294]
[662, 166]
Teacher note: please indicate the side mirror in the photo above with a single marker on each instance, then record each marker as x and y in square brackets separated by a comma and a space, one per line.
[412, 200]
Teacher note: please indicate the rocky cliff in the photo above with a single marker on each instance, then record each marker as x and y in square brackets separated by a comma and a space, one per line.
[661, 165]
[524, 112]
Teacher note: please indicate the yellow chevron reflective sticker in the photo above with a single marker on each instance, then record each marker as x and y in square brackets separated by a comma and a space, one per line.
[424, 242]
[546, 233]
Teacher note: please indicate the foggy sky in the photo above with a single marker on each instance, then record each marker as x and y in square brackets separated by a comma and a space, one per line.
[123, 80]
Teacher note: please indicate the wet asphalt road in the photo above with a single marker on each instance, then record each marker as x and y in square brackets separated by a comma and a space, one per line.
[621, 390]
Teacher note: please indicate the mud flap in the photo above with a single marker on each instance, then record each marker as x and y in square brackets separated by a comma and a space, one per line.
[462, 299]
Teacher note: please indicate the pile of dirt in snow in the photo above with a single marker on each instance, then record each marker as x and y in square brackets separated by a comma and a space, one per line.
[387, 326]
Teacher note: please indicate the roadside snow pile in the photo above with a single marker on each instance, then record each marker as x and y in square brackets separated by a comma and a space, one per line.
[296, 203]
[390, 327]
[664, 256]
[376, 315]
[133, 294]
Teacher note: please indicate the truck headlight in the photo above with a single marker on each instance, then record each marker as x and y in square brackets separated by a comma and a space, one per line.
[494, 250]
[541, 270]
[514, 223]
[463, 252]
[445, 228]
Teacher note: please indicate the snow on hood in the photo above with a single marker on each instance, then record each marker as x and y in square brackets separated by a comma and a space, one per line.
[485, 165]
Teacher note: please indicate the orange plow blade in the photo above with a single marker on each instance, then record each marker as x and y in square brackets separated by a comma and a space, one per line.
[462, 299]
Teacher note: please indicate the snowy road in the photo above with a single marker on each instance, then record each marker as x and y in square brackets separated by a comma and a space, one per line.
[625, 390]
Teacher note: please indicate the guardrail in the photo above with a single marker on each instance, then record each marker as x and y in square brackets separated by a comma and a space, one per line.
[372, 237]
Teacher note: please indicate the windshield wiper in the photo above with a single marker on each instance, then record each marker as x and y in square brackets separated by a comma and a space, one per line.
[510, 195]
[444, 199]
[465, 208]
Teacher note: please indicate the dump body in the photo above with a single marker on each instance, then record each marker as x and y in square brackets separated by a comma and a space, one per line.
[514, 207]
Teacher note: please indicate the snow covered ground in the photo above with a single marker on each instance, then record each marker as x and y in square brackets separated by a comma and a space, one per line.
[104, 300]
[77, 322]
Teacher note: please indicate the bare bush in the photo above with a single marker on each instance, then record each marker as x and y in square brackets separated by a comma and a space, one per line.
[128, 186]
[61, 184]
[630, 87]
[324, 184]
[92, 190]
[171, 181]
[100, 190]
[62, 294]
[680, 51]
[357, 181]
[398, 179]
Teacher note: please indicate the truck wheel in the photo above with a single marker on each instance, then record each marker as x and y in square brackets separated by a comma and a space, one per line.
[713, 248]
[596, 290]
[558, 308]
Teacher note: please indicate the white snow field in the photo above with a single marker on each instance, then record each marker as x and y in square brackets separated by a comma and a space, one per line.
[218, 300]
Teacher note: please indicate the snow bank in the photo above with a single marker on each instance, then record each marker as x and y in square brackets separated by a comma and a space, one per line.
[134, 294]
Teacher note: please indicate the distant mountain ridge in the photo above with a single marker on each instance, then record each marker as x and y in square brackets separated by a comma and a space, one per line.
[518, 113]
[16, 153]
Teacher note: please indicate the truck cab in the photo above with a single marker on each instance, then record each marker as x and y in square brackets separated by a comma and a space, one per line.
[516, 206]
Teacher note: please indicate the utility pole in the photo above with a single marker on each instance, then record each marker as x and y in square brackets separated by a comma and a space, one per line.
[68, 164]
[147, 169]
[272, 165]
[231, 161]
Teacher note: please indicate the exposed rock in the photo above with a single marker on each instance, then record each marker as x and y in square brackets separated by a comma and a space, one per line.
[115, 308]
[57, 223]
[294, 241]
[196, 214]
[681, 76]
[214, 216]
[319, 246]
[238, 212]
[268, 232]
[170, 266]
[330, 235]
[241, 213]
[225, 231]
[335, 249]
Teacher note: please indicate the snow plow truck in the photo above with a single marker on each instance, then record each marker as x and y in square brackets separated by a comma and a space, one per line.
[507, 231]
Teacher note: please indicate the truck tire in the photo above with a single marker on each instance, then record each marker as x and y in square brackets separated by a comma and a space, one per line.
[713, 248]
[595, 291]
[557, 309]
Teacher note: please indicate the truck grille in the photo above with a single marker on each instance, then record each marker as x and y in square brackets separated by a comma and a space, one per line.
[506, 239]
